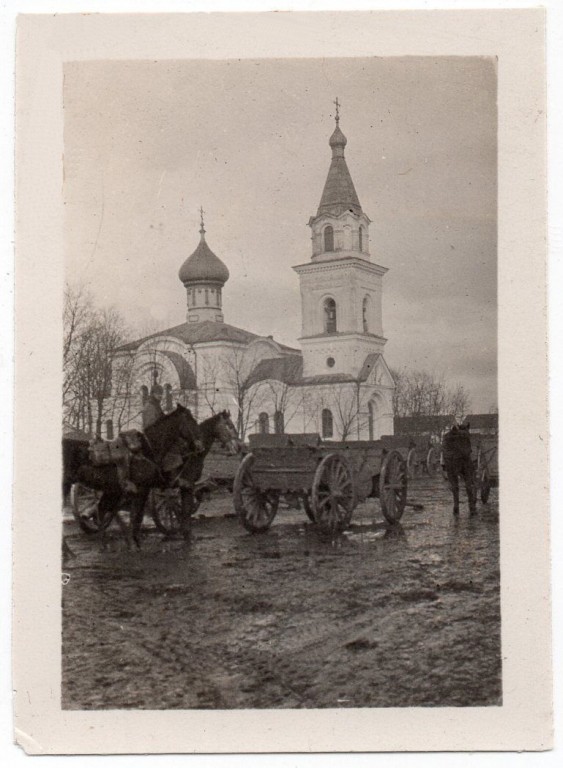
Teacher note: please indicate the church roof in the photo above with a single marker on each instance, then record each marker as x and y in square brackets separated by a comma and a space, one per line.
[289, 370]
[339, 194]
[199, 333]
[203, 265]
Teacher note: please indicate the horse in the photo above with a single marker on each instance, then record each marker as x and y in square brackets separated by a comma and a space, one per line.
[145, 469]
[217, 427]
[456, 447]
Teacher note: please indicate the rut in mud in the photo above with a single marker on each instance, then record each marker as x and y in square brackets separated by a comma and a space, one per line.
[377, 617]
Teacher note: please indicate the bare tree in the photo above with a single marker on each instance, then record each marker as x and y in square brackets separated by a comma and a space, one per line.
[91, 337]
[284, 400]
[419, 393]
[347, 403]
[236, 366]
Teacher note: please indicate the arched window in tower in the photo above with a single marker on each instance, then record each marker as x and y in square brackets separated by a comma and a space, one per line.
[361, 239]
[109, 429]
[144, 394]
[168, 398]
[264, 423]
[329, 315]
[327, 423]
[329, 238]
[207, 295]
[365, 314]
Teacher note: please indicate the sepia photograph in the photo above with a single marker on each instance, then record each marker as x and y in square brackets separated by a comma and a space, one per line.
[290, 310]
[280, 422]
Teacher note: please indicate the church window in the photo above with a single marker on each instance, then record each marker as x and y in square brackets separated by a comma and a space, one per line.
[361, 238]
[264, 423]
[365, 314]
[328, 427]
[207, 296]
[168, 397]
[218, 297]
[370, 420]
[330, 316]
[330, 361]
[109, 429]
[329, 238]
[278, 423]
[144, 394]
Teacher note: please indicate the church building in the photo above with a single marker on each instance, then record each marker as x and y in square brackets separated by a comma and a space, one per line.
[338, 384]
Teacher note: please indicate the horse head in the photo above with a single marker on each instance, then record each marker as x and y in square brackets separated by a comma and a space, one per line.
[226, 432]
[188, 428]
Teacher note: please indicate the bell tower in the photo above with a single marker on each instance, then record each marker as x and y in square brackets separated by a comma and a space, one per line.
[341, 287]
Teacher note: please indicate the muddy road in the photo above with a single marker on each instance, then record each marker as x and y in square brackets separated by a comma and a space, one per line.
[377, 617]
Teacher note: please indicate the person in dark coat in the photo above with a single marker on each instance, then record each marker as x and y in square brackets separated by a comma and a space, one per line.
[456, 450]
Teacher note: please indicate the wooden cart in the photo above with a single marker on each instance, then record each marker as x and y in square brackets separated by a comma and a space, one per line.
[328, 479]
[486, 464]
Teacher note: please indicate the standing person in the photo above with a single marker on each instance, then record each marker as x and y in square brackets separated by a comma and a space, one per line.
[152, 410]
[456, 451]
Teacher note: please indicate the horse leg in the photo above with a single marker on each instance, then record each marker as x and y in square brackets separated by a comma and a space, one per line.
[470, 486]
[187, 509]
[454, 485]
[137, 515]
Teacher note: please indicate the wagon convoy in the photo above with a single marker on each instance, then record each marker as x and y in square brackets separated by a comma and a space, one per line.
[327, 480]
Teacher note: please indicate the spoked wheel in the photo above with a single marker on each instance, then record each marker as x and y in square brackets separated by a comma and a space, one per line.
[333, 496]
[432, 461]
[306, 501]
[485, 484]
[256, 508]
[393, 487]
[86, 509]
[166, 509]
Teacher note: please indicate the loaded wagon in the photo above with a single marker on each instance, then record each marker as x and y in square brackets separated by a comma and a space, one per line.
[328, 479]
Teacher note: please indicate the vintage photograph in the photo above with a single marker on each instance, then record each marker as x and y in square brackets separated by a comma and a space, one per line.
[280, 432]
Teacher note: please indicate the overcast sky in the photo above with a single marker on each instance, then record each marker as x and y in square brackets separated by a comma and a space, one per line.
[147, 143]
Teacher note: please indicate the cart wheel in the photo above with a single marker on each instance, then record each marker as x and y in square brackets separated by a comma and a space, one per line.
[86, 509]
[256, 508]
[333, 496]
[412, 464]
[166, 509]
[393, 487]
[485, 485]
[432, 461]
[305, 500]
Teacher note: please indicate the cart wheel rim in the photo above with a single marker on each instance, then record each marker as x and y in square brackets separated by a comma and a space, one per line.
[393, 487]
[256, 508]
[166, 509]
[333, 493]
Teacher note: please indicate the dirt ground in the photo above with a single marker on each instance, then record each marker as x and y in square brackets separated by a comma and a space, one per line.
[378, 617]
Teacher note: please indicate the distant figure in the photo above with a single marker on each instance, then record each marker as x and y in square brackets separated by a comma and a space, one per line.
[456, 447]
[152, 411]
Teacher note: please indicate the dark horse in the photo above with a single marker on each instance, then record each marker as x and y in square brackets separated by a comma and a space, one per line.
[178, 427]
[456, 447]
[218, 427]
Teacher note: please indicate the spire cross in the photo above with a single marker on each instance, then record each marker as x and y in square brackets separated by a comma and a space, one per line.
[338, 105]
[202, 228]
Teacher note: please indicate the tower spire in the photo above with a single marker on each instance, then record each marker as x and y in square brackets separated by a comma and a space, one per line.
[202, 227]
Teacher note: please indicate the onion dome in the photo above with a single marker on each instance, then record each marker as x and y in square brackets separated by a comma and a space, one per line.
[203, 265]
